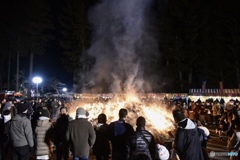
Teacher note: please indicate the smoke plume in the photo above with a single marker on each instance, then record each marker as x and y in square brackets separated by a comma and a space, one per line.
[121, 46]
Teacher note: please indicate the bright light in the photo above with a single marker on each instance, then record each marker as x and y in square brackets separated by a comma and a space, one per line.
[37, 80]
[64, 89]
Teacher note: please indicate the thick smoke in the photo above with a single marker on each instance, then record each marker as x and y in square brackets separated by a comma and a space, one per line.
[121, 45]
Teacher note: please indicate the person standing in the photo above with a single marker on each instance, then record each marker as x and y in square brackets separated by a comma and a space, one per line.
[141, 141]
[54, 108]
[233, 144]
[21, 134]
[5, 134]
[186, 143]
[81, 135]
[101, 148]
[119, 133]
[60, 134]
[43, 135]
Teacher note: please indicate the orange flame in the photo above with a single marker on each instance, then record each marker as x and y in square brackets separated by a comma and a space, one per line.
[159, 119]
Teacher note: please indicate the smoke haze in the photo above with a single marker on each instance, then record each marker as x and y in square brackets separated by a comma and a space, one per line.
[121, 46]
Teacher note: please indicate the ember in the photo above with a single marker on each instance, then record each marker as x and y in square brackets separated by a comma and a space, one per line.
[159, 118]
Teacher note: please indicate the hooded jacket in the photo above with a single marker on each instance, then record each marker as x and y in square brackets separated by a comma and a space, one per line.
[187, 143]
[21, 131]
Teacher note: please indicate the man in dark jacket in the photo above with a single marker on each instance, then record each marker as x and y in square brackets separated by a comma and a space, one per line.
[119, 133]
[101, 148]
[141, 141]
[187, 143]
[60, 134]
[81, 135]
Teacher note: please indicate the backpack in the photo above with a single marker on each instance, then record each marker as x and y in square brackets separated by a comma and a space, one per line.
[119, 128]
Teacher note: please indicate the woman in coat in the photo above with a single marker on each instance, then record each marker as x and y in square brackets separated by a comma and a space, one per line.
[43, 135]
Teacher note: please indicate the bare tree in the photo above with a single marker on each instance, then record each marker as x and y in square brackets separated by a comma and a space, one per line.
[55, 84]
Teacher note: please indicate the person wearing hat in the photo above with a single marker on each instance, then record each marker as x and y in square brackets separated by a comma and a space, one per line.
[21, 135]
[162, 152]
[141, 141]
[43, 135]
[81, 135]
[186, 143]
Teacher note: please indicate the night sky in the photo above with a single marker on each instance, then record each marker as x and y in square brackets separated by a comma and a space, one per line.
[116, 46]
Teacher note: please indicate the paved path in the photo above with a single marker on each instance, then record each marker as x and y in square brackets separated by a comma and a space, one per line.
[215, 146]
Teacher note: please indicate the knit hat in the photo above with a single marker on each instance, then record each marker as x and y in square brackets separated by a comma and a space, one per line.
[81, 112]
[7, 104]
[45, 113]
[162, 151]
[22, 107]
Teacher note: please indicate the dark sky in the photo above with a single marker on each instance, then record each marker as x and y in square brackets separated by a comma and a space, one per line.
[49, 65]
[209, 27]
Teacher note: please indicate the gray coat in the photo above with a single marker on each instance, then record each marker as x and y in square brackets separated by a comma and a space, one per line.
[21, 131]
[82, 136]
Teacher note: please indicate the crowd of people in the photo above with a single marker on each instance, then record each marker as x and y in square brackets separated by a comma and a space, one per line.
[29, 129]
[222, 116]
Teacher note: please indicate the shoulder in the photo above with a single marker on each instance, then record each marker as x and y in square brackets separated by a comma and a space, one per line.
[128, 125]
[112, 123]
[70, 118]
[147, 132]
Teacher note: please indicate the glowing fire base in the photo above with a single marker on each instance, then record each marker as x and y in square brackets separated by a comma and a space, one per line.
[159, 120]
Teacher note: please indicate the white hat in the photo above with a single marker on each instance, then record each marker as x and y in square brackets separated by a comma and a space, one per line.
[163, 153]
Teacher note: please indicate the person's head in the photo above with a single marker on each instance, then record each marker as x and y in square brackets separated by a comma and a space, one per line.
[81, 113]
[162, 152]
[178, 115]
[64, 111]
[45, 113]
[122, 113]
[141, 122]
[6, 115]
[102, 118]
[7, 105]
[22, 108]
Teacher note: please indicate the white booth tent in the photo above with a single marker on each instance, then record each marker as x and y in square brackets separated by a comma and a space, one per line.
[226, 94]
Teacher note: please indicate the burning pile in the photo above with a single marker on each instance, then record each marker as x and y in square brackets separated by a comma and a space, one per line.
[159, 119]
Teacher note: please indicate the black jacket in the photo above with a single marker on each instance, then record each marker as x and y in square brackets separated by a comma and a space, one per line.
[61, 127]
[141, 141]
[119, 132]
[102, 144]
[187, 143]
